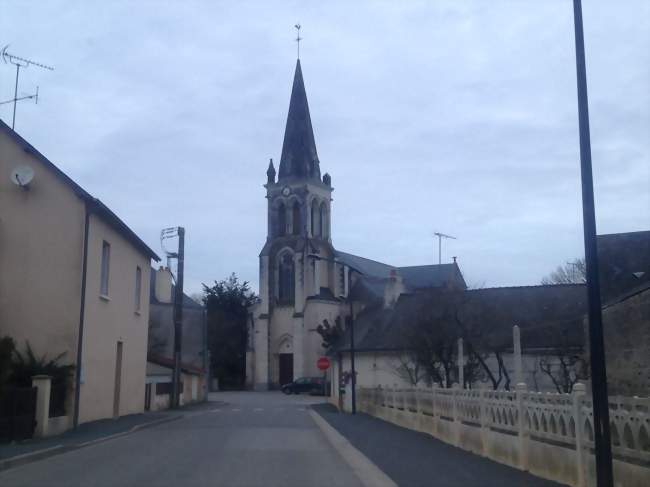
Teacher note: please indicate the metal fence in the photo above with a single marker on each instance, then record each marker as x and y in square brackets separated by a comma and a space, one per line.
[58, 395]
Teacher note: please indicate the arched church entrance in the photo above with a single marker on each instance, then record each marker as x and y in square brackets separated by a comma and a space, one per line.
[285, 359]
[286, 368]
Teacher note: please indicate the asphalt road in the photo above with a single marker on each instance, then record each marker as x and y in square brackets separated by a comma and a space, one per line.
[249, 439]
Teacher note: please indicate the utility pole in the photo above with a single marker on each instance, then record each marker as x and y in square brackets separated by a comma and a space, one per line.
[179, 255]
[440, 237]
[178, 316]
[600, 399]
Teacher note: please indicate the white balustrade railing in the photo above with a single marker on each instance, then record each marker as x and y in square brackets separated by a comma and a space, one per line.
[558, 420]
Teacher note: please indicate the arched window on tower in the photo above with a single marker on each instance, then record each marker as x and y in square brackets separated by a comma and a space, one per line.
[282, 219]
[315, 226]
[286, 275]
[296, 218]
[322, 220]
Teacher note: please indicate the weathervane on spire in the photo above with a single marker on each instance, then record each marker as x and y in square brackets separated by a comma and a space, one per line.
[298, 38]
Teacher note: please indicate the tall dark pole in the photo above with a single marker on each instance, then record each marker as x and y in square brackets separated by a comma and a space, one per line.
[604, 476]
[178, 318]
[353, 370]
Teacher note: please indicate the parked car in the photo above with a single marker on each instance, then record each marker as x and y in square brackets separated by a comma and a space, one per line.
[312, 385]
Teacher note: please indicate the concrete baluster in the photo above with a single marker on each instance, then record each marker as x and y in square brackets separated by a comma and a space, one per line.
[578, 393]
[43, 384]
[455, 410]
[483, 417]
[516, 342]
[522, 430]
[434, 418]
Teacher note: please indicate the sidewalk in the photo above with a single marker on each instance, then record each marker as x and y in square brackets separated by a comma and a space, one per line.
[13, 454]
[413, 459]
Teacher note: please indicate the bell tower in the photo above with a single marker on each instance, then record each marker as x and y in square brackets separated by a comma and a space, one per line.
[294, 262]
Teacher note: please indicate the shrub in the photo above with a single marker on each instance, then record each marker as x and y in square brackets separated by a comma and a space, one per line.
[25, 366]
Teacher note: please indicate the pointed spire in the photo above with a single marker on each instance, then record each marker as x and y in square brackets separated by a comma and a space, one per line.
[270, 173]
[299, 158]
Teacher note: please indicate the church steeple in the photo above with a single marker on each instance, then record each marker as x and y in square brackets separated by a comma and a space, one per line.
[299, 159]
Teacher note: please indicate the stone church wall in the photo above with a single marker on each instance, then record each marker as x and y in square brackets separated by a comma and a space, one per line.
[627, 345]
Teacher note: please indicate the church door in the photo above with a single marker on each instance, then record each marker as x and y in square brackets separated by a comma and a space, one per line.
[286, 368]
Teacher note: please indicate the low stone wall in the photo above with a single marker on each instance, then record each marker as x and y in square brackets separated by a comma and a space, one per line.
[546, 442]
[57, 425]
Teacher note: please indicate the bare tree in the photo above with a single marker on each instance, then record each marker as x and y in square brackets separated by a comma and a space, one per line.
[409, 368]
[431, 335]
[566, 364]
[446, 315]
[570, 273]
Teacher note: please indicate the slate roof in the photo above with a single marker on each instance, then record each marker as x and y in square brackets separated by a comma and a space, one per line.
[299, 158]
[545, 315]
[95, 205]
[425, 276]
[620, 257]
[414, 277]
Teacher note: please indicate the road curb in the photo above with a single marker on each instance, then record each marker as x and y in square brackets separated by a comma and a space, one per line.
[35, 456]
[368, 473]
[133, 429]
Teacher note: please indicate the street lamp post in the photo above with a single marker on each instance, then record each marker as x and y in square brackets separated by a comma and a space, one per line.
[603, 450]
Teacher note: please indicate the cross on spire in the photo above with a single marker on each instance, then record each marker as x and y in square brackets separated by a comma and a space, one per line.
[298, 38]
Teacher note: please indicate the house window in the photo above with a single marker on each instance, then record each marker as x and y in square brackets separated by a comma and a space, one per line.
[138, 288]
[106, 259]
[296, 218]
[286, 274]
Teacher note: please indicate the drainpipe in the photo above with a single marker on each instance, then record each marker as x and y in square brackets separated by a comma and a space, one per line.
[82, 307]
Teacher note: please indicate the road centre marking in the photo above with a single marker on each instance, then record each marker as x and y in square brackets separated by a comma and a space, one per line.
[236, 410]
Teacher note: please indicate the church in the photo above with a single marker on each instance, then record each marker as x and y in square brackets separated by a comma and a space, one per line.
[303, 279]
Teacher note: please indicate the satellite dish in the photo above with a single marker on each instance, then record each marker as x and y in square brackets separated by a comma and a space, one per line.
[22, 175]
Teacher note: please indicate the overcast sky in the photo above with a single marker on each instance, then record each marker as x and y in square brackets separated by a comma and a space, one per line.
[452, 116]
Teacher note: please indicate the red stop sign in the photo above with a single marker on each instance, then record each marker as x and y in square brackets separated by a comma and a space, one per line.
[323, 363]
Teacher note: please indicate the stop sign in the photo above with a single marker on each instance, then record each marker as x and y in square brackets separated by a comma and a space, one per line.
[323, 363]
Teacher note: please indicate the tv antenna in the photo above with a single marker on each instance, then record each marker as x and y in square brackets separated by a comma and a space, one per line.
[440, 237]
[20, 62]
[166, 234]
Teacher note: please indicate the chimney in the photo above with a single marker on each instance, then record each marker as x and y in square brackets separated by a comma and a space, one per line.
[393, 289]
[163, 285]
[454, 257]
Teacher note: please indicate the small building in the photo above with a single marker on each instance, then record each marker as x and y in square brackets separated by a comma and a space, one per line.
[160, 357]
[73, 280]
[548, 316]
[624, 260]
